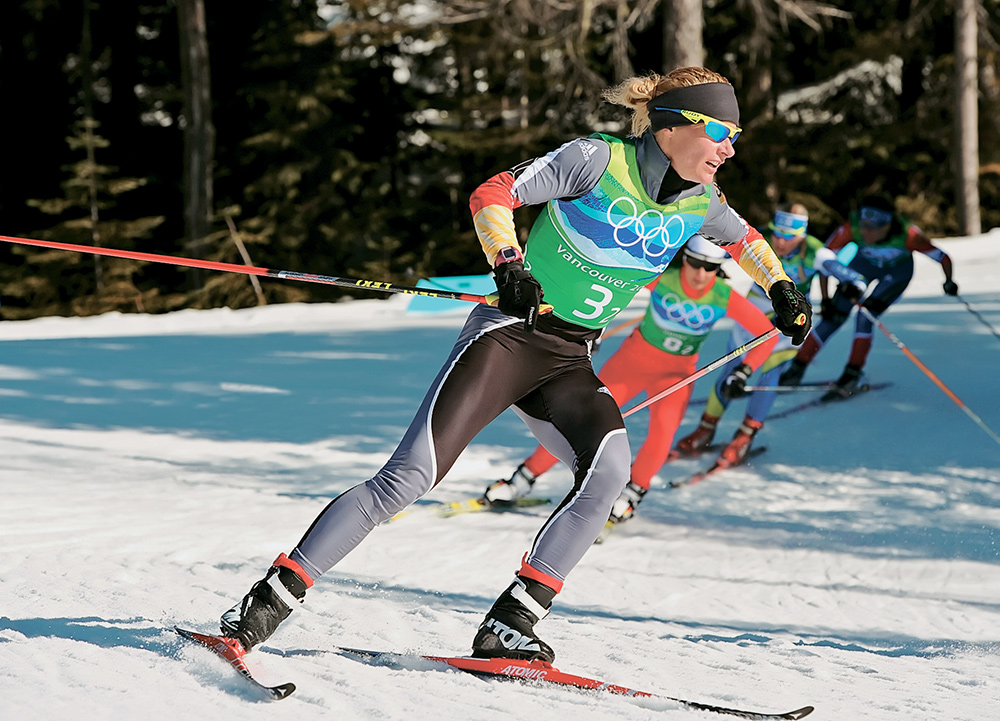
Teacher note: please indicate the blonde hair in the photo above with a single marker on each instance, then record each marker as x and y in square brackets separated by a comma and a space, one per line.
[635, 92]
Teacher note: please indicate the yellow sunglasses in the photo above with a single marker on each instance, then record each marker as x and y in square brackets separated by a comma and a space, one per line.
[715, 129]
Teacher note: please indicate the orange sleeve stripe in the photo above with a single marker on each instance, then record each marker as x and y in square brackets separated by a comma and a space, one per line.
[495, 191]
[758, 260]
[495, 229]
[492, 206]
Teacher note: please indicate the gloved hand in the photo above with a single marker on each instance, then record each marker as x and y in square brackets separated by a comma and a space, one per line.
[733, 386]
[520, 294]
[950, 287]
[827, 309]
[792, 312]
[852, 291]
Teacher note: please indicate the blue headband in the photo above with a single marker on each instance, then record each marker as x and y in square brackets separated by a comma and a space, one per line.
[875, 216]
[789, 224]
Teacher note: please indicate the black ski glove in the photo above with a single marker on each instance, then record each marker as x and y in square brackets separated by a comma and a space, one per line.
[950, 287]
[792, 312]
[850, 291]
[735, 383]
[520, 294]
[827, 309]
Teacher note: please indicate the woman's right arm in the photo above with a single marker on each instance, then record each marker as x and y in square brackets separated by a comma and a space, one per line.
[568, 172]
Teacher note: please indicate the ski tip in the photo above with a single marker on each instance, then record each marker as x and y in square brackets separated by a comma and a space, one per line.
[799, 713]
[284, 690]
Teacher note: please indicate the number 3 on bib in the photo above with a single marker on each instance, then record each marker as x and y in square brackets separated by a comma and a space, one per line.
[599, 306]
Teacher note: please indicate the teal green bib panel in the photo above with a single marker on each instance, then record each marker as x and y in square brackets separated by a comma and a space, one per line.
[594, 253]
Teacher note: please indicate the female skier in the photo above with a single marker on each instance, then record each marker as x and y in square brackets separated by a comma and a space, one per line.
[616, 211]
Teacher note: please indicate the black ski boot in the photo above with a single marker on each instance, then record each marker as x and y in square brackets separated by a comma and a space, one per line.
[846, 385]
[508, 631]
[269, 602]
[793, 374]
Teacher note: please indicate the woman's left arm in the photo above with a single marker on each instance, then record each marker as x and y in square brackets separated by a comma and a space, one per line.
[727, 228]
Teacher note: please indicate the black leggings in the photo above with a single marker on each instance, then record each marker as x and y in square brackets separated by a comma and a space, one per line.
[549, 379]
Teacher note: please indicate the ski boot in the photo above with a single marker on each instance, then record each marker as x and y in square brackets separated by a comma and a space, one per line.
[735, 453]
[508, 631]
[700, 439]
[846, 385]
[269, 602]
[506, 491]
[792, 375]
[624, 507]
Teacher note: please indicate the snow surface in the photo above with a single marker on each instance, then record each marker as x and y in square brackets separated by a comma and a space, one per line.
[153, 466]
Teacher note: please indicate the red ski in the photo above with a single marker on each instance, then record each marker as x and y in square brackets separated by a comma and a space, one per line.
[542, 672]
[231, 650]
[715, 468]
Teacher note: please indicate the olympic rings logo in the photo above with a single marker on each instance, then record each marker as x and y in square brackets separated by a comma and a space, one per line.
[686, 311]
[651, 228]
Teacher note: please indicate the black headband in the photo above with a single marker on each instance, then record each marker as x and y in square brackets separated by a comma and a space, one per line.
[717, 100]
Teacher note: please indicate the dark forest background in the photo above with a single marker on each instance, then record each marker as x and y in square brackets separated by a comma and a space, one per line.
[349, 135]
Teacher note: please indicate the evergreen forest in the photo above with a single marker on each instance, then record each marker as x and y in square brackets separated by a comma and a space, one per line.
[344, 137]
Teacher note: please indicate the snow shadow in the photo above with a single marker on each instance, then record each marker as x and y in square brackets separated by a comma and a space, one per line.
[100, 632]
[276, 387]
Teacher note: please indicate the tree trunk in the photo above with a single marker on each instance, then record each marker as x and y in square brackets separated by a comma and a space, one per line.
[199, 133]
[683, 26]
[87, 79]
[967, 117]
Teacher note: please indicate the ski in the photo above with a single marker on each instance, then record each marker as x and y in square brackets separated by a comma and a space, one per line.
[791, 389]
[471, 505]
[780, 388]
[230, 650]
[541, 672]
[816, 403]
[715, 468]
[477, 505]
[676, 455]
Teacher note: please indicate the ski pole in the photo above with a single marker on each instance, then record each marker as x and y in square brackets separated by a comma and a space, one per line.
[937, 381]
[790, 389]
[978, 316]
[375, 285]
[735, 353]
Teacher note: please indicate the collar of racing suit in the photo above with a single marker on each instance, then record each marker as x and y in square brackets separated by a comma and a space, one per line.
[659, 180]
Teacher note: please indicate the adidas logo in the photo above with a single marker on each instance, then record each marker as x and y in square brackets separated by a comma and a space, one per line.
[511, 639]
[587, 149]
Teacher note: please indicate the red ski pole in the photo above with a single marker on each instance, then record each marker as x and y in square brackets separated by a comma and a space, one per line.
[376, 285]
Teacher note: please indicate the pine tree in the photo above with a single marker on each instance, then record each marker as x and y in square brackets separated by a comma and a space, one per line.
[57, 282]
